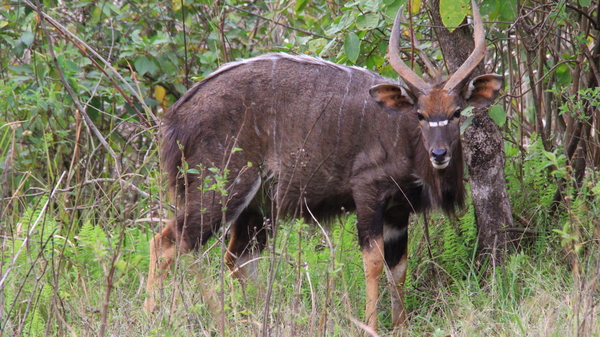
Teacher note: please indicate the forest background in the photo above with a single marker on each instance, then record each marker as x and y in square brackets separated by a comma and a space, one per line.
[84, 83]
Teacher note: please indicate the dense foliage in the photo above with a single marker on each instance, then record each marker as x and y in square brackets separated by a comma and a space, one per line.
[84, 83]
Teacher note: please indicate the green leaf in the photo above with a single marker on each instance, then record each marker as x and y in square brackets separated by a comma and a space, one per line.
[116, 9]
[368, 21]
[300, 5]
[468, 111]
[22, 69]
[317, 45]
[563, 74]
[388, 71]
[466, 124]
[489, 8]
[596, 189]
[339, 23]
[453, 12]
[370, 5]
[498, 114]
[375, 61]
[144, 65]
[508, 10]
[511, 151]
[352, 46]
[585, 3]
[27, 38]
[393, 7]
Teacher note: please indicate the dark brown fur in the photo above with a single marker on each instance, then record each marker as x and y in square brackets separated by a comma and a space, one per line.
[386, 148]
[314, 141]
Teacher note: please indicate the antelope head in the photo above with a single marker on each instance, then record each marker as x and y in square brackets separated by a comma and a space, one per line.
[438, 106]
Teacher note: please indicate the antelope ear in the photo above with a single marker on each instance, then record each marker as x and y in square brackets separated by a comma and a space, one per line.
[394, 98]
[483, 90]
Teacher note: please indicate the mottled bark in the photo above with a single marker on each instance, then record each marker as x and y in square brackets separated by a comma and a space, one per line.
[484, 156]
[484, 152]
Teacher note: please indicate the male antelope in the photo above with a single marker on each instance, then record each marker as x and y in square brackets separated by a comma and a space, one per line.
[320, 137]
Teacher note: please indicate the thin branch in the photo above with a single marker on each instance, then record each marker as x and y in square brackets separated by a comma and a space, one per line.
[279, 23]
[592, 21]
[415, 45]
[185, 48]
[223, 37]
[122, 181]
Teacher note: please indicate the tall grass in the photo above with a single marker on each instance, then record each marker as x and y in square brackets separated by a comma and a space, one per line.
[58, 277]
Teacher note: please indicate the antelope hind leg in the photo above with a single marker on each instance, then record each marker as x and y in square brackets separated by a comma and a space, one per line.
[162, 254]
[247, 240]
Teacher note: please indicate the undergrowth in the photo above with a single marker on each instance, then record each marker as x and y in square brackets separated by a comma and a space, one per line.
[55, 282]
[74, 258]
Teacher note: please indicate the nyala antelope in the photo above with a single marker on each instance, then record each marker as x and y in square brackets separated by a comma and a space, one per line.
[316, 138]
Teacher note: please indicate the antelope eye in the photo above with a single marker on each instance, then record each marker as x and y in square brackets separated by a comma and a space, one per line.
[457, 113]
[420, 116]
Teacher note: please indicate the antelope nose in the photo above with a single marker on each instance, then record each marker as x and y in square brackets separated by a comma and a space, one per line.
[439, 155]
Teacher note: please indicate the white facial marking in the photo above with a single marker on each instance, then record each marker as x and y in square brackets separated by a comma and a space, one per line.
[440, 123]
[440, 166]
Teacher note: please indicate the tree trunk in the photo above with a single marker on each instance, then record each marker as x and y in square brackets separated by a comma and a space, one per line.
[484, 152]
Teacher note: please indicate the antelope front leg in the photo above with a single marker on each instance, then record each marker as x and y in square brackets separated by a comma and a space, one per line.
[373, 260]
[162, 255]
[398, 276]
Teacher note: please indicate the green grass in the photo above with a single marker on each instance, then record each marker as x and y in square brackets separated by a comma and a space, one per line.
[57, 286]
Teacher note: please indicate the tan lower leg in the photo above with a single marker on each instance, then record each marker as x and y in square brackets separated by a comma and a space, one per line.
[162, 255]
[398, 276]
[373, 260]
[233, 261]
[243, 267]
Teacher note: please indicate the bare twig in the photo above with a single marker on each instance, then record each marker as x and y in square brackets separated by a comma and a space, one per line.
[591, 20]
[185, 48]
[222, 35]
[363, 326]
[122, 181]
[433, 72]
[279, 23]
[109, 281]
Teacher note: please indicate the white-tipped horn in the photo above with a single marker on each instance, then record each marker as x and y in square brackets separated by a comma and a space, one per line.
[476, 56]
[415, 83]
